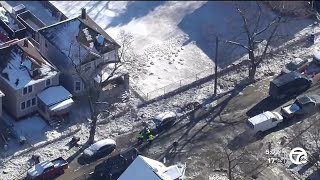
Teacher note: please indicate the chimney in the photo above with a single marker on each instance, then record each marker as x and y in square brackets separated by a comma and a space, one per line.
[83, 13]
[25, 43]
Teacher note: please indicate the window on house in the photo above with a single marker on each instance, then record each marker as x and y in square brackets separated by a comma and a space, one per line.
[77, 85]
[28, 103]
[29, 89]
[48, 82]
[33, 101]
[25, 90]
[23, 105]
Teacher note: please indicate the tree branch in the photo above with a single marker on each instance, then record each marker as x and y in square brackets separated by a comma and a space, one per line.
[268, 42]
[245, 24]
[266, 28]
[259, 17]
[238, 44]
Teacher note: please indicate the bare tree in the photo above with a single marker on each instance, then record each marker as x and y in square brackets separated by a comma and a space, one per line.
[230, 161]
[259, 36]
[93, 90]
[309, 139]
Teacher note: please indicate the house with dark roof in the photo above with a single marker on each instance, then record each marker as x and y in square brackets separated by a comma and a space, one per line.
[80, 44]
[29, 82]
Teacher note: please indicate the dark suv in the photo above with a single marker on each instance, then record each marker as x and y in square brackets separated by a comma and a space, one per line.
[289, 84]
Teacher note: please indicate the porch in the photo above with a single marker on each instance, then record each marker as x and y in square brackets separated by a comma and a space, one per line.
[54, 103]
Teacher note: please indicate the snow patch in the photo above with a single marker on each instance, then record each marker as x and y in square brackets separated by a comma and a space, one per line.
[31, 127]
[110, 13]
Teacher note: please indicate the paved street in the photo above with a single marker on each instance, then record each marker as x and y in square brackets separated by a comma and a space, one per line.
[232, 109]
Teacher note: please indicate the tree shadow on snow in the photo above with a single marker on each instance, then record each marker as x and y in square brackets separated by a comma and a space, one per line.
[222, 19]
[196, 136]
[267, 104]
[314, 176]
[133, 11]
[244, 139]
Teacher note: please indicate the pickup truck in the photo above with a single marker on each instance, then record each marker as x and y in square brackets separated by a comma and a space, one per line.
[304, 105]
[47, 169]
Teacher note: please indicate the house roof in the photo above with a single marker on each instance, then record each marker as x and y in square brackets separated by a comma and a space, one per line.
[149, 169]
[54, 95]
[76, 37]
[21, 65]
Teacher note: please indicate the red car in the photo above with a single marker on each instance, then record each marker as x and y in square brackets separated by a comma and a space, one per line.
[47, 169]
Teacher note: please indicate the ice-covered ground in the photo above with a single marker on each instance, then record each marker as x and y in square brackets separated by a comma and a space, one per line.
[15, 167]
[173, 39]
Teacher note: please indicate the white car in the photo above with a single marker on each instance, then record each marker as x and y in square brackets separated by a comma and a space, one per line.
[263, 122]
[100, 148]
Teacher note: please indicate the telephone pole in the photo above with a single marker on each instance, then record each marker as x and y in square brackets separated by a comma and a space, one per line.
[216, 68]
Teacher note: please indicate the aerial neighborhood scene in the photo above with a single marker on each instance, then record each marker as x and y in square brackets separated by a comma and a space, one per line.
[159, 90]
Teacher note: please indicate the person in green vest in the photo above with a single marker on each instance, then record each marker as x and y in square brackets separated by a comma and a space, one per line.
[150, 138]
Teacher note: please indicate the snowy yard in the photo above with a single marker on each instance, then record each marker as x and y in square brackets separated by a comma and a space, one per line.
[173, 40]
[164, 34]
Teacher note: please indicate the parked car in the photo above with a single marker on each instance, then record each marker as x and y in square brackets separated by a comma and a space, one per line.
[100, 148]
[47, 169]
[289, 84]
[306, 104]
[297, 64]
[161, 121]
[263, 122]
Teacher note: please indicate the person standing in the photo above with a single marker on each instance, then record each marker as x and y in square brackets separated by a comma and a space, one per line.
[150, 138]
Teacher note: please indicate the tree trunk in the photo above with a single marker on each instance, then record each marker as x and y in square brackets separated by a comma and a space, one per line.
[229, 170]
[253, 66]
[93, 127]
[252, 71]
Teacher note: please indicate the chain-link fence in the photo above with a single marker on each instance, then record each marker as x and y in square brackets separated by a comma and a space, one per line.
[178, 84]
[173, 86]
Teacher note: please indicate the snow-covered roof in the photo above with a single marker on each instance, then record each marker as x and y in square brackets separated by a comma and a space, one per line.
[54, 95]
[103, 74]
[165, 115]
[149, 169]
[262, 117]
[39, 168]
[78, 36]
[22, 66]
[61, 105]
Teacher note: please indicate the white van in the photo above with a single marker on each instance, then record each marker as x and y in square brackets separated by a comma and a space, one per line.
[263, 122]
